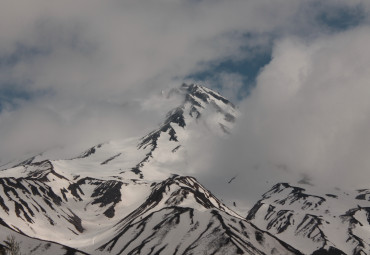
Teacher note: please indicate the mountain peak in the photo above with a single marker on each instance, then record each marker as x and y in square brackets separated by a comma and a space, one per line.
[202, 112]
[206, 95]
[135, 196]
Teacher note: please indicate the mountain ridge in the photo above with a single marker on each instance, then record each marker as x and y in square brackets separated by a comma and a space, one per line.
[135, 196]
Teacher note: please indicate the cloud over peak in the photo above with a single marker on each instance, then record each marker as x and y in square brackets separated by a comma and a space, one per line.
[66, 68]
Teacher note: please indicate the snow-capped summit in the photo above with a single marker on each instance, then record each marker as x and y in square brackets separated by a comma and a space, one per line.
[135, 196]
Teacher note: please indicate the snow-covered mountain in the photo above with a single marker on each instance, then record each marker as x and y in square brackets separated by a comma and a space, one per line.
[134, 196]
[337, 222]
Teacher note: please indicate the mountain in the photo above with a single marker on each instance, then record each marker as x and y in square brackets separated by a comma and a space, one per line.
[125, 197]
[327, 223]
[135, 196]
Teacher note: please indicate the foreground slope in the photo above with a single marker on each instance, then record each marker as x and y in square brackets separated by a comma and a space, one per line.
[178, 216]
[181, 217]
[33, 246]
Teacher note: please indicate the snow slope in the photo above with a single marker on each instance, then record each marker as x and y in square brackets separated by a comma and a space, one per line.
[125, 197]
[134, 196]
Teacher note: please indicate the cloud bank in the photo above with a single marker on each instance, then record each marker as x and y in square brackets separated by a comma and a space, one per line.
[89, 71]
[311, 106]
[308, 117]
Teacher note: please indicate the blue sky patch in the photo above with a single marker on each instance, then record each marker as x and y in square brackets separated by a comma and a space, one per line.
[11, 96]
[341, 17]
[248, 68]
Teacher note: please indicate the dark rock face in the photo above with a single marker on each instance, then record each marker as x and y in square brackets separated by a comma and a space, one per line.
[108, 192]
[330, 251]
[110, 159]
[90, 151]
[364, 194]
[296, 196]
[34, 198]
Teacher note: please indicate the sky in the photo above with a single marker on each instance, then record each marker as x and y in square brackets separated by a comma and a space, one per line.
[89, 71]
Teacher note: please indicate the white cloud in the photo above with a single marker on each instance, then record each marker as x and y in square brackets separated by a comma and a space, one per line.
[93, 58]
[310, 107]
[113, 46]
[90, 57]
[308, 115]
